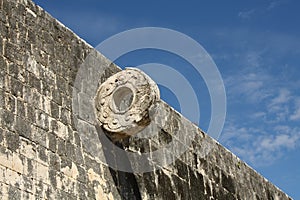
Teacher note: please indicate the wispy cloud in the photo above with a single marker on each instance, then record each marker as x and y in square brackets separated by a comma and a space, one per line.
[265, 136]
[259, 115]
[253, 58]
[259, 147]
[267, 133]
[247, 14]
[296, 114]
[278, 142]
[249, 87]
[263, 98]
[279, 106]
[283, 97]
[261, 10]
[256, 73]
[275, 4]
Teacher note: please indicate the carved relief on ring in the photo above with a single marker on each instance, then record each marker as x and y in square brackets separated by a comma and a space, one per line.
[122, 101]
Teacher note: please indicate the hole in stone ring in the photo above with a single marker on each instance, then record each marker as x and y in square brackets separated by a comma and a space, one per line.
[122, 99]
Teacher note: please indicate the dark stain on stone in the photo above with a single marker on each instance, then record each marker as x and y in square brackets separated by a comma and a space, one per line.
[14, 193]
[165, 192]
[150, 185]
[42, 153]
[182, 169]
[269, 195]
[228, 183]
[12, 140]
[197, 189]
[181, 186]
[164, 137]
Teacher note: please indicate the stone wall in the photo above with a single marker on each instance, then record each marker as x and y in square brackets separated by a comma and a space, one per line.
[45, 155]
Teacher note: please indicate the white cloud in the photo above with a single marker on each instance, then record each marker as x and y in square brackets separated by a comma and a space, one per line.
[283, 97]
[296, 114]
[282, 129]
[284, 107]
[253, 59]
[247, 14]
[247, 87]
[275, 4]
[232, 133]
[259, 115]
[261, 10]
[278, 107]
[259, 147]
[279, 141]
[266, 135]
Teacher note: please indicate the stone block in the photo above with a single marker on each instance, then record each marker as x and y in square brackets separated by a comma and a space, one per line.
[39, 136]
[86, 109]
[23, 128]
[42, 172]
[62, 130]
[2, 99]
[30, 168]
[10, 102]
[55, 110]
[21, 109]
[54, 161]
[12, 140]
[34, 82]
[65, 116]
[1, 44]
[42, 153]
[18, 161]
[61, 147]
[2, 136]
[14, 193]
[52, 142]
[56, 96]
[42, 119]
[13, 70]
[2, 77]
[10, 51]
[7, 119]
[28, 149]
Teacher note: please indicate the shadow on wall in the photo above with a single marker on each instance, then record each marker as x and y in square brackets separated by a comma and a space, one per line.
[125, 182]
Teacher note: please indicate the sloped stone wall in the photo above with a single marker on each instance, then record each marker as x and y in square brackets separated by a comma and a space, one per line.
[42, 154]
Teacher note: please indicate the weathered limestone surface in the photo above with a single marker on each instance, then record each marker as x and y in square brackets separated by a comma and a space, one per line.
[42, 155]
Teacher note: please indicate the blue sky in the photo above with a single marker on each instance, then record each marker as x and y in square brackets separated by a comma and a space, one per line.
[256, 47]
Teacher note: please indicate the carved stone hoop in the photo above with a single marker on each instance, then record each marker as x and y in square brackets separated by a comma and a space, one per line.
[123, 100]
